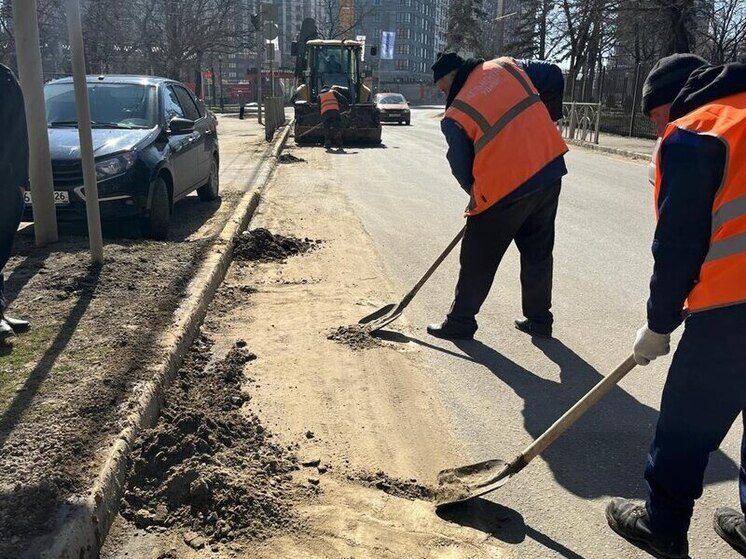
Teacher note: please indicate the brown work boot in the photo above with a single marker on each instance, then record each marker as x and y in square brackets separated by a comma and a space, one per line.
[630, 520]
[731, 526]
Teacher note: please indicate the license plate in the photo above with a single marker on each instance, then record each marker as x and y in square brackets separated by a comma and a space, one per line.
[61, 197]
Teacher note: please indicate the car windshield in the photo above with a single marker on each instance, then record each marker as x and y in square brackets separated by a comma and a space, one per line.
[113, 105]
[391, 100]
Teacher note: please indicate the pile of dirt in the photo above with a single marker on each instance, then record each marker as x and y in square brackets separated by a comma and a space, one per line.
[207, 466]
[356, 336]
[406, 489]
[260, 245]
[290, 158]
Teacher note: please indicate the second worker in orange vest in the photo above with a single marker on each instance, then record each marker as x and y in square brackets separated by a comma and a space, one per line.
[699, 278]
[507, 154]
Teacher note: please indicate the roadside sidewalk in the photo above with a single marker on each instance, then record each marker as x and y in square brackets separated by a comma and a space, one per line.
[635, 148]
[68, 387]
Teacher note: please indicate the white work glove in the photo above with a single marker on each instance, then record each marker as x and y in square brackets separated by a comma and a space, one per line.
[650, 345]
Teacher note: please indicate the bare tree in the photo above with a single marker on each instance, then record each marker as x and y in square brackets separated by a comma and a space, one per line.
[724, 37]
[331, 25]
[534, 30]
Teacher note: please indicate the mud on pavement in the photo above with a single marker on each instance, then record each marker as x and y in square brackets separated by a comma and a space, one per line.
[348, 415]
[260, 245]
[208, 468]
[355, 336]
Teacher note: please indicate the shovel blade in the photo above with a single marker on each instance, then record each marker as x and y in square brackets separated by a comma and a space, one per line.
[467, 482]
[384, 321]
[382, 312]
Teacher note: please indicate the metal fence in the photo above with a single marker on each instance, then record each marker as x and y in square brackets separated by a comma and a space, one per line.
[617, 88]
[581, 121]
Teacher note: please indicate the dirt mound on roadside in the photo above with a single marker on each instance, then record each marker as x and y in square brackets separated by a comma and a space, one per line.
[290, 158]
[406, 489]
[208, 466]
[356, 336]
[260, 245]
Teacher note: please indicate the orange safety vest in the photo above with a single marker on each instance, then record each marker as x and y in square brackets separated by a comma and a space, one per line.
[514, 137]
[722, 278]
[329, 102]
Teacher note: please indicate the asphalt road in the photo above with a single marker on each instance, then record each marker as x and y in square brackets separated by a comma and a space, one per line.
[503, 390]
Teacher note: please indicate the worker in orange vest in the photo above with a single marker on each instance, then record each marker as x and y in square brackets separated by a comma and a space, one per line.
[332, 102]
[699, 278]
[507, 154]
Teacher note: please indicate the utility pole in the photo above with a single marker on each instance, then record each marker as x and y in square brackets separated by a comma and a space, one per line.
[30, 72]
[90, 185]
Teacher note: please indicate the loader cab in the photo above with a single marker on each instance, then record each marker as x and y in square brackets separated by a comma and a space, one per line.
[333, 63]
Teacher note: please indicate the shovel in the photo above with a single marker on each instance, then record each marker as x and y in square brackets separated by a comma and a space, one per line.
[388, 314]
[461, 484]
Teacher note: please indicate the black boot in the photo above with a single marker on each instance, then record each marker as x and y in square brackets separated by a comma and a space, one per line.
[18, 326]
[533, 328]
[731, 526]
[452, 330]
[5, 330]
[630, 520]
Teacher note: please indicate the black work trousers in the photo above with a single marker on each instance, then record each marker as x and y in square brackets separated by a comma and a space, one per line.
[705, 393]
[529, 222]
[333, 130]
[11, 210]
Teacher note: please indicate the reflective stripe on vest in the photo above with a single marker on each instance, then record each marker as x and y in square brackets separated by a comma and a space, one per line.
[328, 102]
[513, 135]
[722, 278]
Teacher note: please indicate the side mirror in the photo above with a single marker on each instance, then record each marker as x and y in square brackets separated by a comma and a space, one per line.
[374, 51]
[180, 126]
[294, 48]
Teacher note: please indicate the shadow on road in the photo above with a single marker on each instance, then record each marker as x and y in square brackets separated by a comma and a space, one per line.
[603, 454]
[502, 523]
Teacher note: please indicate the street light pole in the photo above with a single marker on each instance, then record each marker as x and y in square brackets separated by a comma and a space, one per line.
[26, 29]
[90, 185]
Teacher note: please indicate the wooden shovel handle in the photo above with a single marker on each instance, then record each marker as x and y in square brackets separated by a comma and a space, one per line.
[409, 296]
[573, 414]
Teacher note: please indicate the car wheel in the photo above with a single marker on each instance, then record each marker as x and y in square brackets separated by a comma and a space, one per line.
[211, 189]
[408, 122]
[156, 224]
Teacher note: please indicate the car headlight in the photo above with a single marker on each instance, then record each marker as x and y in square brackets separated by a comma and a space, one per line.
[114, 166]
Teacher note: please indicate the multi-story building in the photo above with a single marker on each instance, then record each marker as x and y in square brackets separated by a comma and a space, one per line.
[441, 25]
[417, 24]
[290, 16]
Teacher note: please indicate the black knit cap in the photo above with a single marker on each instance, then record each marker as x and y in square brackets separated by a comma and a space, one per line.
[667, 78]
[447, 63]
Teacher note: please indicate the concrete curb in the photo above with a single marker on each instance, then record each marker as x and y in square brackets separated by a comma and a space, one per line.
[85, 524]
[610, 150]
